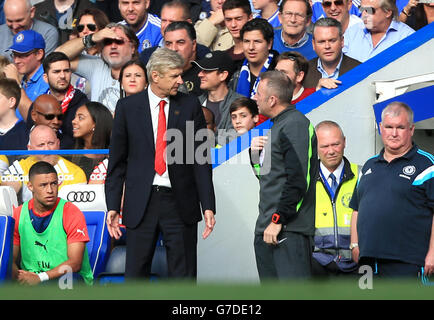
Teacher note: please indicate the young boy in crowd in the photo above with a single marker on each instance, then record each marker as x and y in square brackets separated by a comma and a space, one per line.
[244, 114]
[13, 133]
[269, 10]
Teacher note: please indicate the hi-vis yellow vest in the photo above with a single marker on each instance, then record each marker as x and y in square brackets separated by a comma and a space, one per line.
[333, 218]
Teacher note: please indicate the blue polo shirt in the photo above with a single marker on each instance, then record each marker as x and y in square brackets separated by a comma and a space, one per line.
[304, 46]
[395, 204]
[358, 41]
[34, 87]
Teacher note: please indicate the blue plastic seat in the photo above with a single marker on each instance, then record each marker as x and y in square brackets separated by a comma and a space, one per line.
[99, 245]
[7, 224]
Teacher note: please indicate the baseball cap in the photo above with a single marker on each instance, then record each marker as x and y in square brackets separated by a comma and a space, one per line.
[216, 60]
[27, 40]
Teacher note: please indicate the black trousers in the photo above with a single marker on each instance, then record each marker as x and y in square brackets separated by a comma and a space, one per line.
[290, 259]
[180, 239]
[387, 268]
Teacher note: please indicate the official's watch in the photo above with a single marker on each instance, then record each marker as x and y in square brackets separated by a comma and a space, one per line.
[353, 245]
[275, 218]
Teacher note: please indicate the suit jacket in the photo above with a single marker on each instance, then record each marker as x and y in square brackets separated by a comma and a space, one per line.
[132, 153]
[313, 75]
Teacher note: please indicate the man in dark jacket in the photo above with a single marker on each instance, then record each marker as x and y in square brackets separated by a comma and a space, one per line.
[331, 63]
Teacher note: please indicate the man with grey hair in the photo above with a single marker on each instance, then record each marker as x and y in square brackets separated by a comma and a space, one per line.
[287, 157]
[119, 45]
[381, 30]
[392, 221]
[19, 16]
[331, 63]
[165, 191]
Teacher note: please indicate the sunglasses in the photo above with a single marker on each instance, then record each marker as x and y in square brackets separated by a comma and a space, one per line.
[369, 10]
[108, 42]
[328, 4]
[90, 26]
[50, 116]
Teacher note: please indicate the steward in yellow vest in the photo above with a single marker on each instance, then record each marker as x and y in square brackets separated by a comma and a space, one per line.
[333, 220]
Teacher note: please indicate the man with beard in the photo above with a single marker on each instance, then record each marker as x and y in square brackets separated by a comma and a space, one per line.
[119, 45]
[144, 24]
[57, 73]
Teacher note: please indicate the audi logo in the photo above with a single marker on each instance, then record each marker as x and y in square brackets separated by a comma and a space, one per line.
[81, 196]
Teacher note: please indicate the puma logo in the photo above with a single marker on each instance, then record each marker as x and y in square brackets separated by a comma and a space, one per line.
[82, 232]
[37, 243]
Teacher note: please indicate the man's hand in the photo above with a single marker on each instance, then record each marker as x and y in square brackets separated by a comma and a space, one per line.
[429, 263]
[355, 254]
[328, 83]
[258, 143]
[271, 233]
[11, 72]
[209, 223]
[113, 224]
[106, 33]
[27, 277]
[216, 17]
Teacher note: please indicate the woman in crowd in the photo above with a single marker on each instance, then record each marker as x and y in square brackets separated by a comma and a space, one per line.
[132, 78]
[92, 128]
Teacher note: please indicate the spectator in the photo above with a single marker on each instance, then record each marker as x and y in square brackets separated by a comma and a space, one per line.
[19, 17]
[335, 184]
[340, 10]
[331, 63]
[268, 10]
[319, 11]
[92, 127]
[296, 67]
[417, 14]
[295, 17]
[47, 111]
[41, 138]
[50, 233]
[236, 14]
[382, 29]
[13, 133]
[28, 51]
[392, 221]
[145, 25]
[175, 10]
[3, 63]
[257, 37]
[119, 46]
[58, 76]
[288, 167]
[63, 15]
[244, 114]
[132, 78]
[209, 119]
[216, 70]
[90, 20]
[180, 36]
[211, 31]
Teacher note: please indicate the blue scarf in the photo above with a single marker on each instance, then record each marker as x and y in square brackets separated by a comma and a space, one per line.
[243, 86]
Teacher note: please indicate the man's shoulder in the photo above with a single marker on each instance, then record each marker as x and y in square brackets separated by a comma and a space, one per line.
[42, 27]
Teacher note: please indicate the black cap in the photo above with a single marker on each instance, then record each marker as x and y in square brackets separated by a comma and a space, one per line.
[216, 60]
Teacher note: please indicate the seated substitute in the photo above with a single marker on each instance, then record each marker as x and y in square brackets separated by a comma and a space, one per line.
[50, 233]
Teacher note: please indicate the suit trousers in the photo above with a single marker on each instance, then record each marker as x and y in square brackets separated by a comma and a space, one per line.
[290, 259]
[180, 239]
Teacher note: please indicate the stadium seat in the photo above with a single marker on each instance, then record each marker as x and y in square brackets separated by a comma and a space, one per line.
[85, 196]
[7, 224]
[115, 268]
[99, 245]
[8, 200]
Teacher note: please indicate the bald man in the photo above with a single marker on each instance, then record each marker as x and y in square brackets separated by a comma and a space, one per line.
[19, 15]
[46, 110]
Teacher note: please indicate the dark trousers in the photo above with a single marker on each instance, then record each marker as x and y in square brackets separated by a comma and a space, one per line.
[290, 259]
[180, 240]
[388, 268]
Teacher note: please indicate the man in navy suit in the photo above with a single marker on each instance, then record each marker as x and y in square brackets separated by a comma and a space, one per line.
[162, 194]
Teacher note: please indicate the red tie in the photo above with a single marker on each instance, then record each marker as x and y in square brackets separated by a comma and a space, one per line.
[160, 147]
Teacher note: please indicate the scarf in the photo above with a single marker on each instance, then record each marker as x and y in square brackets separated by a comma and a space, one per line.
[67, 99]
[243, 86]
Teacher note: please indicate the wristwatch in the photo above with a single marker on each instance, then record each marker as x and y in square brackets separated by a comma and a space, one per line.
[353, 245]
[87, 41]
[275, 218]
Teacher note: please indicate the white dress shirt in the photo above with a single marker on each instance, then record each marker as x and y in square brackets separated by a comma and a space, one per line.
[337, 172]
